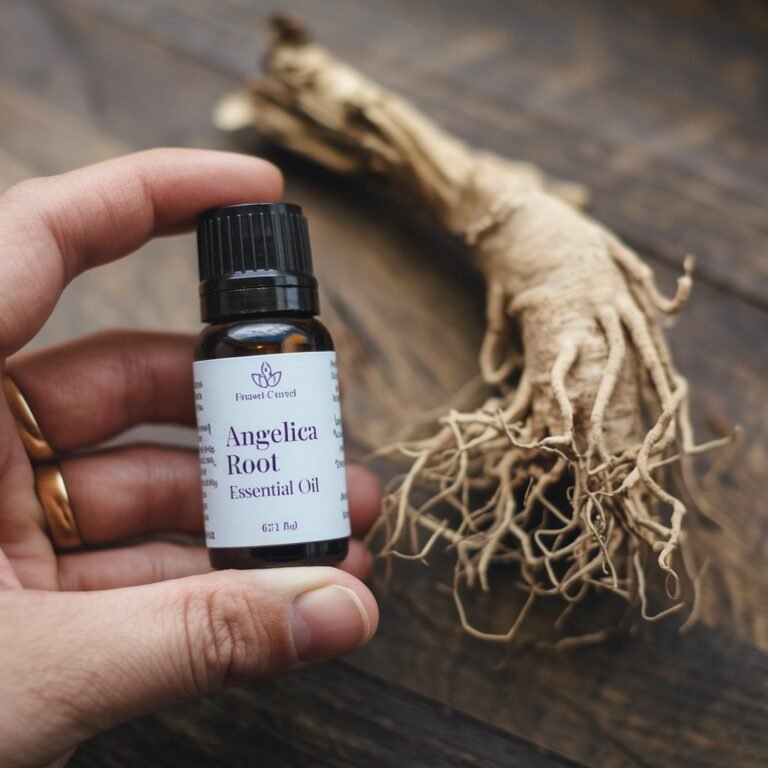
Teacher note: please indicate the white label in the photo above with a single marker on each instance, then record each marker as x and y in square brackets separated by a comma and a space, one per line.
[271, 449]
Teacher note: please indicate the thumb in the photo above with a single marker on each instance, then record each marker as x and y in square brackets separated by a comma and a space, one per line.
[87, 661]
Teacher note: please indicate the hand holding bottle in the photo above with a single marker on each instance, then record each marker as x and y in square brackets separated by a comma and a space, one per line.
[92, 637]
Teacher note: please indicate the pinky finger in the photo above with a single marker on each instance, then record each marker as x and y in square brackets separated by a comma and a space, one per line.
[159, 561]
[358, 561]
[131, 566]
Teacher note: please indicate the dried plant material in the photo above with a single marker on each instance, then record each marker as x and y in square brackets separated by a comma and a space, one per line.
[588, 397]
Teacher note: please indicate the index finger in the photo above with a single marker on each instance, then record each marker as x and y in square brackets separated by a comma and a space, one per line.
[54, 228]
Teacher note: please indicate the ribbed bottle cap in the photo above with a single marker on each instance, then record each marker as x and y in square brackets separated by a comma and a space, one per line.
[255, 258]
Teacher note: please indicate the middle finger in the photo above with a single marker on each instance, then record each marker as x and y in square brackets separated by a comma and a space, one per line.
[92, 389]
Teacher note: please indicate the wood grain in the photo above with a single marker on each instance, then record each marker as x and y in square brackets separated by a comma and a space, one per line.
[660, 108]
[334, 716]
[655, 699]
[607, 97]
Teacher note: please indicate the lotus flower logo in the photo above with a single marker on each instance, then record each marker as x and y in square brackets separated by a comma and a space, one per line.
[266, 377]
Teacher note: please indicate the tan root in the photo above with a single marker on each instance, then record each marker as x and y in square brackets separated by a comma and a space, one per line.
[573, 402]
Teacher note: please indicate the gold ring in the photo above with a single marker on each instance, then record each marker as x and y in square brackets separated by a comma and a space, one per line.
[49, 482]
[54, 499]
[35, 444]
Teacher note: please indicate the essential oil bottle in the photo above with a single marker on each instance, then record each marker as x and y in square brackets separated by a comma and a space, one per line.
[267, 395]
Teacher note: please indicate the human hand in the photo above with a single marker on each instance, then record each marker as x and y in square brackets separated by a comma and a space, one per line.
[91, 638]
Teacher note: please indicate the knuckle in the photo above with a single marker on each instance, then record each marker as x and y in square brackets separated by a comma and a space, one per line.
[134, 373]
[227, 641]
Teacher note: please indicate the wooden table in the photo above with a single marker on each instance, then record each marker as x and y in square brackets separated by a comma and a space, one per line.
[659, 107]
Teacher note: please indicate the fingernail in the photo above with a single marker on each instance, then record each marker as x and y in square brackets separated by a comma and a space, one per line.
[327, 622]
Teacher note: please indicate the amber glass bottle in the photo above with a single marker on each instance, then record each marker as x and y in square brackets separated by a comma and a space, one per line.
[267, 395]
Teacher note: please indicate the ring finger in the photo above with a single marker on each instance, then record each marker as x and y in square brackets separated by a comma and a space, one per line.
[138, 489]
[134, 490]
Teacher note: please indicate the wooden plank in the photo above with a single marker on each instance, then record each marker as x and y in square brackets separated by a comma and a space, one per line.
[664, 161]
[109, 79]
[656, 699]
[48, 139]
[328, 716]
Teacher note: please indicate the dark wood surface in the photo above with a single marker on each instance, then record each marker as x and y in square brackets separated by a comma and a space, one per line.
[335, 715]
[661, 109]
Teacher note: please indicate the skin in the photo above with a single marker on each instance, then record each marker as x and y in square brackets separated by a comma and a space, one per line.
[93, 638]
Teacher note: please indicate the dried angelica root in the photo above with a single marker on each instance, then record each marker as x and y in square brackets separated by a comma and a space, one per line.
[589, 401]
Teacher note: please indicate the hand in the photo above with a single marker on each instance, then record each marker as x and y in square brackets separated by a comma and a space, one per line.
[95, 637]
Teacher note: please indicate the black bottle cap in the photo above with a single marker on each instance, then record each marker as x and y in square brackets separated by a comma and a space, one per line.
[255, 258]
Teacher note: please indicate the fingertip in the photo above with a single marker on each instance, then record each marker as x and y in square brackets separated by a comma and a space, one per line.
[269, 178]
[329, 622]
[351, 581]
[277, 178]
[229, 178]
[364, 498]
[358, 561]
[363, 593]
